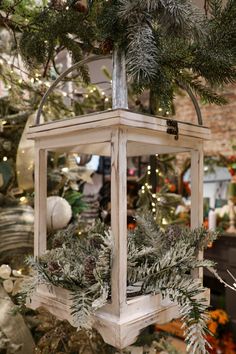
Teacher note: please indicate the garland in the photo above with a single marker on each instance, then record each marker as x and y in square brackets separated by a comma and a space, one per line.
[161, 260]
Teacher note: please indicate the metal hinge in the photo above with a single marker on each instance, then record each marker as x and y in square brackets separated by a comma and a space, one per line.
[172, 128]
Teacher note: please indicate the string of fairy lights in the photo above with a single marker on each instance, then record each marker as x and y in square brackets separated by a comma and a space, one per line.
[37, 83]
[36, 80]
[155, 198]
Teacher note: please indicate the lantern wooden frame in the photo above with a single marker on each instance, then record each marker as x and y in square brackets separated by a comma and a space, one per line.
[117, 133]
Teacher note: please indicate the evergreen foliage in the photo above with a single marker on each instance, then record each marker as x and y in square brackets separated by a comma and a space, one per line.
[168, 44]
[162, 202]
[75, 199]
[158, 262]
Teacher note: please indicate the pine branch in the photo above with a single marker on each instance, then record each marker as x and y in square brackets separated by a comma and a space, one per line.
[81, 309]
[147, 233]
[184, 291]
[141, 53]
[181, 18]
[206, 94]
[181, 258]
[175, 17]
[158, 262]
[102, 272]
[215, 7]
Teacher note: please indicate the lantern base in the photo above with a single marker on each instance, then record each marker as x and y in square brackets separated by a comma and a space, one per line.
[118, 331]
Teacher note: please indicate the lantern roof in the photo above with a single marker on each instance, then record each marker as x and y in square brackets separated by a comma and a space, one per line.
[118, 118]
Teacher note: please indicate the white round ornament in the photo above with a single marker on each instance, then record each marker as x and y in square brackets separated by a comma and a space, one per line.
[5, 271]
[59, 213]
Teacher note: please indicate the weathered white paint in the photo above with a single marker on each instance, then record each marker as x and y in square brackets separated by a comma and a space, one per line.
[118, 133]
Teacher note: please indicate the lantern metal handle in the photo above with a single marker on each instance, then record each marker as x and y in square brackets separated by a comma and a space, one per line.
[119, 85]
[194, 101]
[62, 76]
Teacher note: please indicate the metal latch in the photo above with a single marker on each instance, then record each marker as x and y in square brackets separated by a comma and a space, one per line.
[172, 128]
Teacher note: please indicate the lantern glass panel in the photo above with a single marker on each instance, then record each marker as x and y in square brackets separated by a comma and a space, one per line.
[78, 188]
[75, 186]
[150, 184]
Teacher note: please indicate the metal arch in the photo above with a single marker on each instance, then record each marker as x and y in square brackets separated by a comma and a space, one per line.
[194, 101]
[61, 77]
[100, 57]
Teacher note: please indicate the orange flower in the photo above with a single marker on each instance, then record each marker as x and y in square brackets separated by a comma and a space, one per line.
[131, 226]
[220, 341]
[214, 314]
[223, 318]
[220, 316]
[172, 188]
[212, 326]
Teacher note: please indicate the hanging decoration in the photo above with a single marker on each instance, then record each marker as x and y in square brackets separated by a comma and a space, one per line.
[59, 213]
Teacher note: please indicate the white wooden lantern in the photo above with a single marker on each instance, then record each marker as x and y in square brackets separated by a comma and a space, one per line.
[117, 133]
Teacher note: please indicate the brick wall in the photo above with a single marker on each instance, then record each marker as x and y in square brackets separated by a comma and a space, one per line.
[221, 120]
